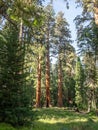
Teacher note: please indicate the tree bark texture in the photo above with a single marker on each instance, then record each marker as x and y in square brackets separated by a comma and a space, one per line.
[60, 100]
[38, 88]
[47, 78]
[96, 11]
[47, 73]
[21, 32]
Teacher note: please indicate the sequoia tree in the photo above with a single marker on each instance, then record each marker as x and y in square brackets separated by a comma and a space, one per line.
[62, 36]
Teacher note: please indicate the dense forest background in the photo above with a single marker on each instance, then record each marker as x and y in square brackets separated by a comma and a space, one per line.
[31, 36]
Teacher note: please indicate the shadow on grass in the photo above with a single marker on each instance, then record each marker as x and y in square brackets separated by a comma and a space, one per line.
[53, 112]
[88, 125]
[58, 113]
[61, 119]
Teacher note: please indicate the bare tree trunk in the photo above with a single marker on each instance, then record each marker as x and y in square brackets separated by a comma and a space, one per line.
[96, 11]
[21, 31]
[38, 89]
[47, 77]
[21, 43]
[89, 104]
[60, 99]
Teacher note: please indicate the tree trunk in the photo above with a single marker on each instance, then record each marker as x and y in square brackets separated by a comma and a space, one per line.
[21, 31]
[60, 99]
[38, 89]
[89, 104]
[91, 100]
[96, 11]
[47, 77]
[21, 44]
[94, 100]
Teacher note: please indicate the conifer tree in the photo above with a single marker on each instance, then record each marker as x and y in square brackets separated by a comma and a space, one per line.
[17, 102]
[16, 106]
[62, 38]
[49, 23]
[87, 42]
[90, 6]
[79, 85]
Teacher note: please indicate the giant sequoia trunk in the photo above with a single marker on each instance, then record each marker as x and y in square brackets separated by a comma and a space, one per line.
[38, 89]
[47, 77]
[60, 100]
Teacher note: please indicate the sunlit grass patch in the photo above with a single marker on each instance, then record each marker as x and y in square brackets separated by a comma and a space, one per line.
[61, 119]
[58, 119]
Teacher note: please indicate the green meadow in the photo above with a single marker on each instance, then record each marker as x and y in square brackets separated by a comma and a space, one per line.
[59, 119]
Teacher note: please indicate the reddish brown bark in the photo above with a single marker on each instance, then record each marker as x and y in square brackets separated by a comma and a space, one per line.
[60, 99]
[38, 88]
[47, 77]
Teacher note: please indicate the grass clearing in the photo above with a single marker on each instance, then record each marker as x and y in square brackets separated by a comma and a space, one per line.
[59, 119]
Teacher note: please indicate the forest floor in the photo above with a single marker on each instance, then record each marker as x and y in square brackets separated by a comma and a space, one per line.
[59, 119]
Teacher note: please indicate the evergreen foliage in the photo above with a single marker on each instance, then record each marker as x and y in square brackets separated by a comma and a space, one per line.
[87, 42]
[30, 36]
[15, 94]
[79, 85]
